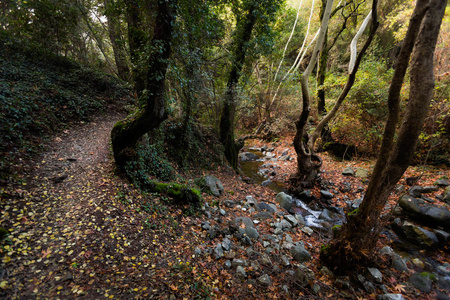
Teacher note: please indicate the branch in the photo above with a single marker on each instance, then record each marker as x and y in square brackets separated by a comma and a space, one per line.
[350, 80]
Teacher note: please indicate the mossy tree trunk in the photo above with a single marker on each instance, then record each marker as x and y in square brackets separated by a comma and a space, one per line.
[126, 133]
[358, 237]
[242, 37]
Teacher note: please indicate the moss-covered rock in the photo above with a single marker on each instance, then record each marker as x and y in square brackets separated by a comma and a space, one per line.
[179, 192]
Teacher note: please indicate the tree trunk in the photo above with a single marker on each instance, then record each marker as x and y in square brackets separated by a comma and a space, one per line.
[126, 133]
[229, 107]
[358, 237]
[115, 36]
[322, 69]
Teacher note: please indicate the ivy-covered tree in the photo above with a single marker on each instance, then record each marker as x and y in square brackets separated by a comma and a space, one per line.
[151, 88]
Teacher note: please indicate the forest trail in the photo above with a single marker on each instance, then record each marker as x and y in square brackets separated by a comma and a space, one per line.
[66, 221]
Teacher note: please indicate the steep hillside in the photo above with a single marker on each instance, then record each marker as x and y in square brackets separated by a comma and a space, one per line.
[41, 93]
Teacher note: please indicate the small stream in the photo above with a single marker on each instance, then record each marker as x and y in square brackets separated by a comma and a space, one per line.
[253, 169]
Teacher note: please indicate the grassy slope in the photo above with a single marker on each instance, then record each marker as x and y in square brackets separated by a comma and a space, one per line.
[41, 93]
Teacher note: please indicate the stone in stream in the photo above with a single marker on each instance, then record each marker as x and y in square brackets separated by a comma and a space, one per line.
[248, 156]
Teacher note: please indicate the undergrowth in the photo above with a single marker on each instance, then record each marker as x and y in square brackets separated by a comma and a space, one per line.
[41, 93]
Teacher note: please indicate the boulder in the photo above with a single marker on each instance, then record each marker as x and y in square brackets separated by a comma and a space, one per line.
[446, 198]
[326, 194]
[442, 182]
[304, 276]
[422, 281]
[284, 200]
[214, 185]
[427, 213]
[262, 206]
[348, 171]
[375, 275]
[418, 235]
[299, 253]
[362, 173]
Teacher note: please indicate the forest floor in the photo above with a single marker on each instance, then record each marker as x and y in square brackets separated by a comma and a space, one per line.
[78, 230]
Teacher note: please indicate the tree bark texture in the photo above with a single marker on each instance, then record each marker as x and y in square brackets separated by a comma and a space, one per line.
[126, 133]
[117, 42]
[357, 240]
[227, 138]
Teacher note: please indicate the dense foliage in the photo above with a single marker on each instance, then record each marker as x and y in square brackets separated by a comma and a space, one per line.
[41, 93]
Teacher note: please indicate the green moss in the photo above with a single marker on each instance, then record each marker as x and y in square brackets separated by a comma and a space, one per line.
[432, 276]
[177, 191]
[353, 212]
[3, 232]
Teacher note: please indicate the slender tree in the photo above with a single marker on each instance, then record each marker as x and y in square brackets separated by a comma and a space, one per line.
[357, 240]
[113, 15]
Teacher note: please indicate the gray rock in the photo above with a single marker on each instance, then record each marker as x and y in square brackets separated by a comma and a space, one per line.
[355, 203]
[362, 173]
[300, 254]
[240, 272]
[416, 191]
[226, 244]
[430, 214]
[368, 286]
[375, 275]
[348, 171]
[390, 297]
[284, 224]
[262, 206]
[325, 215]
[443, 237]
[300, 219]
[218, 251]
[325, 271]
[229, 203]
[304, 276]
[214, 185]
[291, 219]
[266, 182]
[265, 279]
[429, 189]
[265, 260]
[442, 182]
[222, 212]
[243, 220]
[228, 264]
[399, 263]
[263, 215]
[238, 262]
[250, 232]
[205, 225]
[284, 200]
[307, 230]
[421, 281]
[446, 198]
[250, 200]
[284, 157]
[248, 156]
[419, 235]
[326, 194]
[285, 261]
